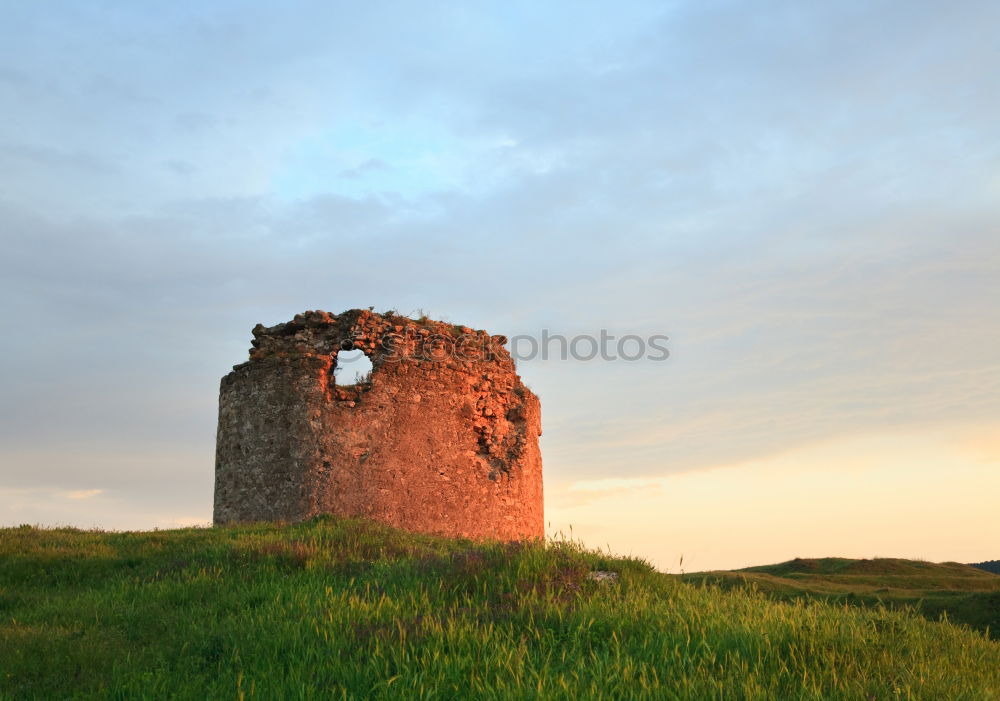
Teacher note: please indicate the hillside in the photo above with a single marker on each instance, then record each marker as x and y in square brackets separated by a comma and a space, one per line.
[349, 609]
[963, 593]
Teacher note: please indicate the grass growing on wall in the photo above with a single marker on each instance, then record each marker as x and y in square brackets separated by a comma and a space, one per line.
[349, 609]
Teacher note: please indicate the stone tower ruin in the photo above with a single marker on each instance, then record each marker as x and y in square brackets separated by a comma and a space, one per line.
[442, 437]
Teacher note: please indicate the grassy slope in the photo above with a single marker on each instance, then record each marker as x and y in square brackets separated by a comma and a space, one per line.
[333, 608]
[963, 593]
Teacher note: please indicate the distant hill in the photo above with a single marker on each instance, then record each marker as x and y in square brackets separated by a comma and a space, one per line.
[989, 566]
[878, 567]
[964, 593]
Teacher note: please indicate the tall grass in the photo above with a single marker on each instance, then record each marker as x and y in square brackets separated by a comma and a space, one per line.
[348, 609]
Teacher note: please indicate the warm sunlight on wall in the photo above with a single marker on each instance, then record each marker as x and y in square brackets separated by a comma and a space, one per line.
[929, 494]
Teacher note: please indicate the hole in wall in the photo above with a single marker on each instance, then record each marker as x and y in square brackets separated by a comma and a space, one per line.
[353, 367]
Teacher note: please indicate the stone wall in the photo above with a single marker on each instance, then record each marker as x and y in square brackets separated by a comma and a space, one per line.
[442, 438]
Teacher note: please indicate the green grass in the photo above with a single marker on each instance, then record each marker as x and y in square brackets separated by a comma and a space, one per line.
[962, 593]
[349, 609]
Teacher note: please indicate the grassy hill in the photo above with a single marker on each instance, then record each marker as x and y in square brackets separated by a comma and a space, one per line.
[349, 609]
[963, 593]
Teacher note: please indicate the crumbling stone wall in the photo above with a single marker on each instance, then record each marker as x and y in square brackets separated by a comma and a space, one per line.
[441, 438]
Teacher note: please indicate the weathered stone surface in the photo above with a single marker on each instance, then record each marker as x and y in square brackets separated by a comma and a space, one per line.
[442, 438]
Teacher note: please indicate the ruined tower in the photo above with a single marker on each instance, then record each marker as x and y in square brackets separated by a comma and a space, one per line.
[442, 437]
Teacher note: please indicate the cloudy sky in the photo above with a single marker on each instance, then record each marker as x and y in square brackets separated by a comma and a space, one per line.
[805, 197]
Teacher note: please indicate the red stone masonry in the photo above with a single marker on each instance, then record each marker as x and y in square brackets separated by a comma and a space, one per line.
[442, 438]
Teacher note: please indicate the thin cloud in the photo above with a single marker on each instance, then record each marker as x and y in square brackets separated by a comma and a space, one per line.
[83, 493]
[368, 167]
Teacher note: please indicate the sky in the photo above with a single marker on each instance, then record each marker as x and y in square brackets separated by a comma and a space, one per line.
[803, 197]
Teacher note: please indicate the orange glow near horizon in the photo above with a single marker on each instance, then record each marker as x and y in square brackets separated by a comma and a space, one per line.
[927, 494]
